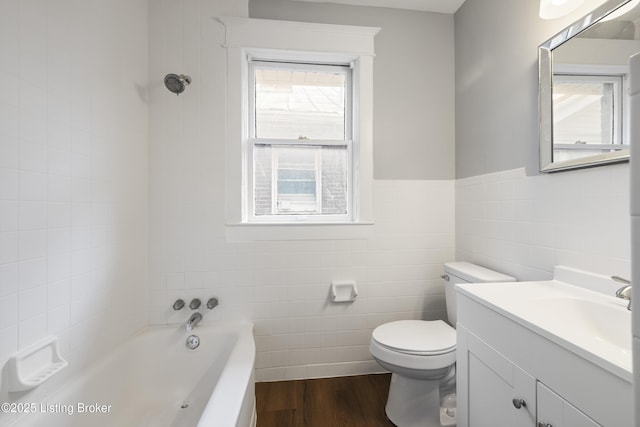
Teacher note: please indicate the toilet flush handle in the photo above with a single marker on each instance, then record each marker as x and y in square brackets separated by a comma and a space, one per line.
[445, 277]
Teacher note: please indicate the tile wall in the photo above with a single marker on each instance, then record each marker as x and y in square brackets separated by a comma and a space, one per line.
[73, 176]
[525, 225]
[283, 287]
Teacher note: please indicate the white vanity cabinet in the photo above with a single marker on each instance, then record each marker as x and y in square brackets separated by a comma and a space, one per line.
[492, 390]
[554, 411]
[495, 392]
[510, 374]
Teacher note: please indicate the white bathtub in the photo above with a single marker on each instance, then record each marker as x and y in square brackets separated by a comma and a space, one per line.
[147, 381]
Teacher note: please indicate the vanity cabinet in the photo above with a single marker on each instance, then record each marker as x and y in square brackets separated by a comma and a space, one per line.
[495, 392]
[554, 411]
[510, 375]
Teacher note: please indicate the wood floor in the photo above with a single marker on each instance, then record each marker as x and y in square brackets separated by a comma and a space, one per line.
[327, 402]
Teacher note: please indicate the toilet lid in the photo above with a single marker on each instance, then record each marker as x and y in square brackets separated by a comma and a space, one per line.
[417, 336]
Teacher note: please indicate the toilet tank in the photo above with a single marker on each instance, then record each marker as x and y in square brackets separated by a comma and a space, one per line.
[465, 272]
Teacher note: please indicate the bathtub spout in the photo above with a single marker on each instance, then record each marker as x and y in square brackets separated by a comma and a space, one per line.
[193, 321]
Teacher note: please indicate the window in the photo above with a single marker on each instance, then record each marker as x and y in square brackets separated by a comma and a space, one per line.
[587, 115]
[299, 149]
[299, 130]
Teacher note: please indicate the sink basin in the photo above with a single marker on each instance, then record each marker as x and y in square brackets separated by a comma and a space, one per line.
[584, 322]
[592, 323]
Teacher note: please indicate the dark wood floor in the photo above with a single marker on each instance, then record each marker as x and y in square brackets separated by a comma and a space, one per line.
[327, 402]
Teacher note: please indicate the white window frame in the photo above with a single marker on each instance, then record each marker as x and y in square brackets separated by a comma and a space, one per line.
[350, 140]
[614, 71]
[617, 80]
[297, 42]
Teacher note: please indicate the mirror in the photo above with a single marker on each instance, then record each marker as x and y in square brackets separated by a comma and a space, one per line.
[583, 74]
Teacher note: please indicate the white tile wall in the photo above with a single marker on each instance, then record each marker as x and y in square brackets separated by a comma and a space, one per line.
[525, 225]
[73, 176]
[284, 286]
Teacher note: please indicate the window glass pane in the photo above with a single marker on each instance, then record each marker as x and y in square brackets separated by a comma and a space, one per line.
[295, 104]
[292, 180]
[334, 180]
[583, 112]
[586, 113]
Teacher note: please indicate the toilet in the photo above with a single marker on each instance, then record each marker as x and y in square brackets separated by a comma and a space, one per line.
[421, 354]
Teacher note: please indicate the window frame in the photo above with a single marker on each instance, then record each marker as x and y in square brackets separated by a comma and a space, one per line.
[299, 41]
[249, 144]
[618, 112]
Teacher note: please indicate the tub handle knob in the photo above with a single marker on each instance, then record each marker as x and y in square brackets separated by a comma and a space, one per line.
[178, 305]
[195, 304]
[212, 303]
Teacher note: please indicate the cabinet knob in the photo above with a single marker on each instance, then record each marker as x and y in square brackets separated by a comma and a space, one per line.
[519, 403]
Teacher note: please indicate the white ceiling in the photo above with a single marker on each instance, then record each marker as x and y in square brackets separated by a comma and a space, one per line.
[441, 6]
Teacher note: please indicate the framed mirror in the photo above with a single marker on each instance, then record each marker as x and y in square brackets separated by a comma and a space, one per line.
[583, 74]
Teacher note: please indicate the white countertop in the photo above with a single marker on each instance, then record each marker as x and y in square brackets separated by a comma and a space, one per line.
[592, 322]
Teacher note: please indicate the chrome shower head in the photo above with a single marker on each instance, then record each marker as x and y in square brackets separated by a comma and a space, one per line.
[176, 83]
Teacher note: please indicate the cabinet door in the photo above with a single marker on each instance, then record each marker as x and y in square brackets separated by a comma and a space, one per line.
[492, 391]
[554, 411]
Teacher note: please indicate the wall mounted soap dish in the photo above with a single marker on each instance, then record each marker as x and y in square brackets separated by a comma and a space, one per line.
[34, 365]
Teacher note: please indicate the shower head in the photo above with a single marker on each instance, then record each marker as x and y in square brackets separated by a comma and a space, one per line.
[176, 83]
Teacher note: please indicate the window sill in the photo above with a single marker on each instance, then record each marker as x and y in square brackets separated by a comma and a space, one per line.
[251, 232]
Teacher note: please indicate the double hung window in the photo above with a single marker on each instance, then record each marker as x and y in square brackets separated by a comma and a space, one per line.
[299, 130]
[299, 154]
[587, 115]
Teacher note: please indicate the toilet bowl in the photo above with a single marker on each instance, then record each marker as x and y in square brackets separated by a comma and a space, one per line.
[421, 354]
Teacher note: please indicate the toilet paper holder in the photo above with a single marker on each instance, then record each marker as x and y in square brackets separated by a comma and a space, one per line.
[345, 291]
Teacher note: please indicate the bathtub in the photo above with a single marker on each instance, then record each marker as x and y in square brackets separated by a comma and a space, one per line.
[153, 379]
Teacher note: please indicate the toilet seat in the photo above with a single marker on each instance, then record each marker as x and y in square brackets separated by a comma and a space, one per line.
[421, 355]
[416, 337]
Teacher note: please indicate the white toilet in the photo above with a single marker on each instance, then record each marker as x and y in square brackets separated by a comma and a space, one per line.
[421, 354]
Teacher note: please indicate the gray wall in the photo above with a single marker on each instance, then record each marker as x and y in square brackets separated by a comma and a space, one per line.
[496, 56]
[414, 83]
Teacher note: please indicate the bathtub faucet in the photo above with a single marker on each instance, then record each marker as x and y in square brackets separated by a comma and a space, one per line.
[625, 291]
[193, 321]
